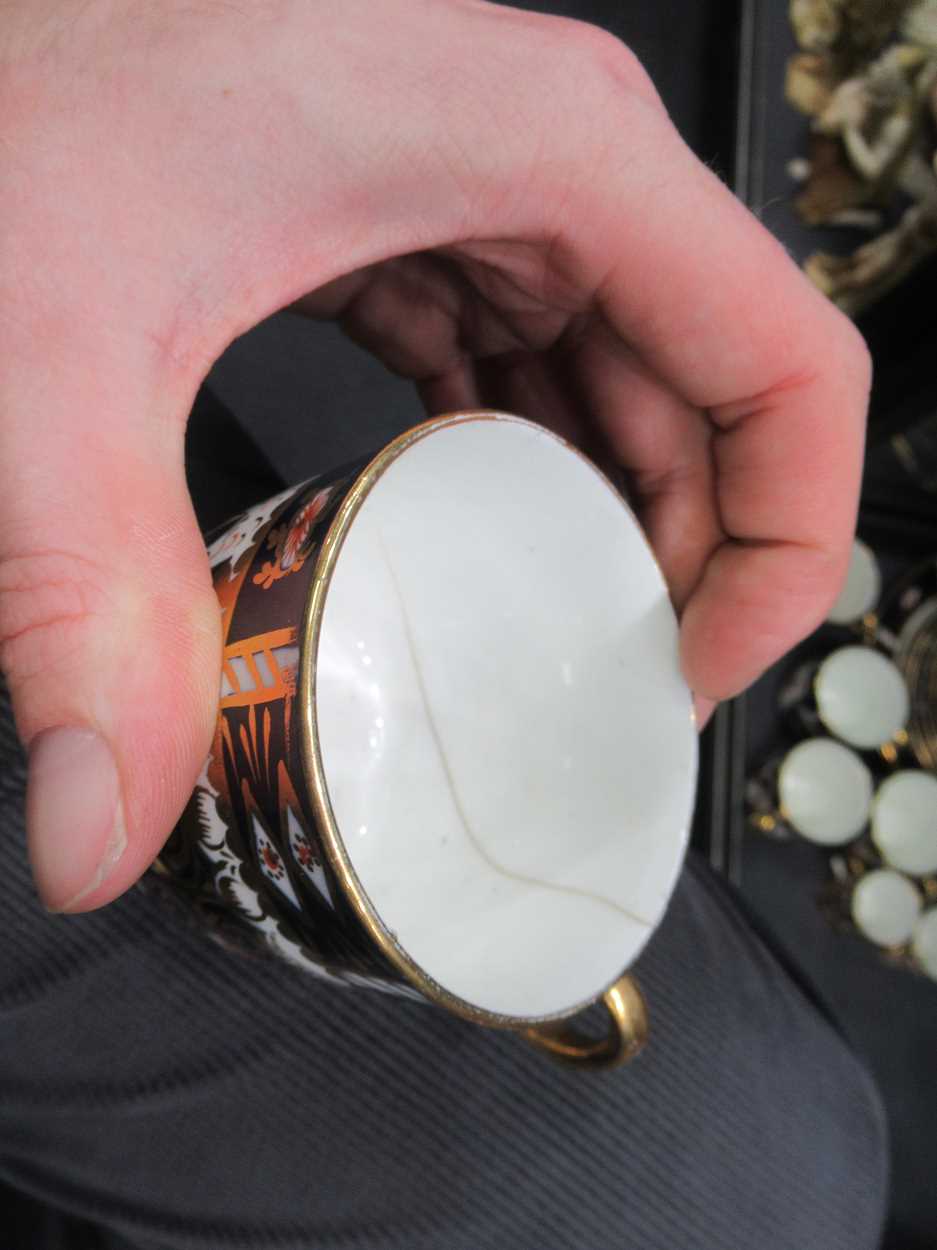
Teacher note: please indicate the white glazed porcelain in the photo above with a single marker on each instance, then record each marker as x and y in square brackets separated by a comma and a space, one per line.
[861, 696]
[825, 791]
[904, 821]
[885, 907]
[924, 942]
[862, 588]
[507, 741]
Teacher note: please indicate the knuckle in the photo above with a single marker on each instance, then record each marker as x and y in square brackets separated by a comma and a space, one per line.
[846, 350]
[604, 56]
[859, 358]
[49, 604]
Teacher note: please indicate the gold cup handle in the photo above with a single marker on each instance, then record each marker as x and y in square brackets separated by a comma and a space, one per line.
[627, 1032]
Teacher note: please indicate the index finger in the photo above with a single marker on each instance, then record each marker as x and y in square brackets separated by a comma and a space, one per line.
[719, 311]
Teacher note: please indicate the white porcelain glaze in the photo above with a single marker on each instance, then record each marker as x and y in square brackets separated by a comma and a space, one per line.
[885, 907]
[861, 696]
[924, 942]
[507, 740]
[904, 821]
[825, 791]
[862, 588]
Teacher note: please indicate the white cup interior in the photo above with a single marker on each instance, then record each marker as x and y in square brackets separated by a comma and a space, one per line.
[825, 791]
[862, 587]
[924, 942]
[506, 739]
[904, 821]
[885, 907]
[862, 697]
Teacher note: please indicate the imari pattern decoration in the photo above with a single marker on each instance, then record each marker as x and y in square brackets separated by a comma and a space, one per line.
[247, 851]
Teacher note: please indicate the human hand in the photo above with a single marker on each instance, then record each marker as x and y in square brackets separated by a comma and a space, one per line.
[174, 173]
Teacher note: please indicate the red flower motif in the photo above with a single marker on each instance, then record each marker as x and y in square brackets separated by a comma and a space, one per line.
[302, 525]
[272, 859]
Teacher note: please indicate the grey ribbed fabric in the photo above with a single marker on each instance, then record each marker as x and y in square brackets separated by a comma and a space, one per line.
[181, 1096]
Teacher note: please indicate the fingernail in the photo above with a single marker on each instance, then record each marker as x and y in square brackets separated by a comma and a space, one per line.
[74, 815]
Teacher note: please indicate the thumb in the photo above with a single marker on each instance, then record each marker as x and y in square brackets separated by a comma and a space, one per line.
[109, 628]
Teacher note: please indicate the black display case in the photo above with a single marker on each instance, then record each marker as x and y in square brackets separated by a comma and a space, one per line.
[888, 1014]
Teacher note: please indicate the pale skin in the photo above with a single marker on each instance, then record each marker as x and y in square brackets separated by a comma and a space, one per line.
[497, 205]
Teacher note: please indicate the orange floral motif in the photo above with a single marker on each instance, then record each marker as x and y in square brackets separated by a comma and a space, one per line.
[271, 571]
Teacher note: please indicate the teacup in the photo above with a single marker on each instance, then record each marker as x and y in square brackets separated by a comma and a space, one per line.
[855, 693]
[885, 907]
[862, 697]
[904, 821]
[861, 590]
[924, 942]
[455, 756]
[820, 789]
